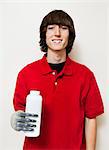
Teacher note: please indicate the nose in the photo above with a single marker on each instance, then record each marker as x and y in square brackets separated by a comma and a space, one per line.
[57, 31]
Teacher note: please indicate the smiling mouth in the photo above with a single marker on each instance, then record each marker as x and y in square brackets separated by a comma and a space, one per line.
[57, 41]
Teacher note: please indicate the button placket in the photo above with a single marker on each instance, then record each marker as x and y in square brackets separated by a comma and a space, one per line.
[55, 82]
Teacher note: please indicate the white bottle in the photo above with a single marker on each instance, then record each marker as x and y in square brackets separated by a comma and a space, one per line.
[34, 106]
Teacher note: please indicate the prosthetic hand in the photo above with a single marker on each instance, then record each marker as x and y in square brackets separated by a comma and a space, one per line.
[20, 121]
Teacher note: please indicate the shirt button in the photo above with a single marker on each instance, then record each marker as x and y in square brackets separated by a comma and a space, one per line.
[56, 83]
[53, 73]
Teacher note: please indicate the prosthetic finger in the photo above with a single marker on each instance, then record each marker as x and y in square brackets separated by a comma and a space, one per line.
[23, 114]
[27, 129]
[25, 120]
[24, 129]
[25, 125]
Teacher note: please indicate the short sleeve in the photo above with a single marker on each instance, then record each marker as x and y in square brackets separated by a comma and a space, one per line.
[20, 93]
[93, 102]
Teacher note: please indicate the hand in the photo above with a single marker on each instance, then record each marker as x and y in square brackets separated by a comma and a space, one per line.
[21, 121]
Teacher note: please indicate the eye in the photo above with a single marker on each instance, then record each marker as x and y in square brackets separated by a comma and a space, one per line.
[64, 27]
[50, 27]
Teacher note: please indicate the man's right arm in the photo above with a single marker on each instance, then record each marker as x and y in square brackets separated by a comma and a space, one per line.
[20, 120]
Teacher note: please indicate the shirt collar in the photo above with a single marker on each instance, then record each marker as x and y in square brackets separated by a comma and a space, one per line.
[67, 70]
[46, 69]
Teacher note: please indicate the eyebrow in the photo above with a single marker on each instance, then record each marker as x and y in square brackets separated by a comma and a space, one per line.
[56, 24]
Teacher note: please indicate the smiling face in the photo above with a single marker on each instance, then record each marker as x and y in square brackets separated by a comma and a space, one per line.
[57, 37]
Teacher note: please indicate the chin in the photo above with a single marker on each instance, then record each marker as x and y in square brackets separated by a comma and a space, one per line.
[57, 49]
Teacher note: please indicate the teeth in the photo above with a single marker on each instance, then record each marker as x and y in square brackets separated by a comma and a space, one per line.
[57, 41]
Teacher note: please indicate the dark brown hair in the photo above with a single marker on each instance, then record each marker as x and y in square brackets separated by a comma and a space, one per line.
[58, 17]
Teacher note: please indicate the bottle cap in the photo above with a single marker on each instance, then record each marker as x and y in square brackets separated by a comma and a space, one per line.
[34, 92]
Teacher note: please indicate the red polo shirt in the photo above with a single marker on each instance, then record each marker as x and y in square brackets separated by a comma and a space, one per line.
[68, 97]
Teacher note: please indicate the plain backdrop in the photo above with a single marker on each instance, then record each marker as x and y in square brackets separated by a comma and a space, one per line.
[19, 45]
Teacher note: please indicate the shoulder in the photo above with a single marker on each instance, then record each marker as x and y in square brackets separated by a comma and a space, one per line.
[81, 69]
[31, 67]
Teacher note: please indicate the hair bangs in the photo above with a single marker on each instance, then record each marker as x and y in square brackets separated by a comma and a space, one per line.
[59, 20]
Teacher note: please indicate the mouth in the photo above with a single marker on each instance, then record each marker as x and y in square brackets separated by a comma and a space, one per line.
[57, 41]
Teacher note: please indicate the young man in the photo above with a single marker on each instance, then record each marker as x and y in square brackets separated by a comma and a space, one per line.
[71, 98]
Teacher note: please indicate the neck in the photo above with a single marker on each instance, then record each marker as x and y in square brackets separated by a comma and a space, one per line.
[56, 57]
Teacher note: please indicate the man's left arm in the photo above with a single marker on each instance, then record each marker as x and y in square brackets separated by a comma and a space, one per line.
[90, 133]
